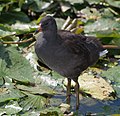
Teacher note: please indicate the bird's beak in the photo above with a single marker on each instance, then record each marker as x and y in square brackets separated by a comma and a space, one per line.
[40, 29]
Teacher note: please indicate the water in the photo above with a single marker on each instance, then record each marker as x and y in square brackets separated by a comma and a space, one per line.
[90, 106]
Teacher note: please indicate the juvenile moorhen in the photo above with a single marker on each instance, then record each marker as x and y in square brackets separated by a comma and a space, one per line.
[65, 52]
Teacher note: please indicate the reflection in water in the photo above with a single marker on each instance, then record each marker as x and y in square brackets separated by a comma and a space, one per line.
[89, 105]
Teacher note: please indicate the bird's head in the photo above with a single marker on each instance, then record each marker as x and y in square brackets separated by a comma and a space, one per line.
[47, 23]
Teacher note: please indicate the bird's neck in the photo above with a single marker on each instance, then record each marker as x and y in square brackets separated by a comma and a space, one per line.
[50, 36]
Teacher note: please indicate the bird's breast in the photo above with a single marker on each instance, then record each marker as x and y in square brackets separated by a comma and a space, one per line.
[55, 57]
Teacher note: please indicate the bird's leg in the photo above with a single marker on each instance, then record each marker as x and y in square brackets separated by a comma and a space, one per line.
[68, 90]
[77, 95]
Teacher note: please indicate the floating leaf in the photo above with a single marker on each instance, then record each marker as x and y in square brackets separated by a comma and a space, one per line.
[75, 1]
[93, 1]
[113, 74]
[115, 3]
[65, 6]
[2, 68]
[97, 87]
[5, 33]
[13, 108]
[21, 28]
[19, 66]
[91, 13]
[104, 28]
[65, 107]
[11, 94]
[60, 22]
[16, 65]
[2, 81]
[52, 111]
[41, 90]
[13, 17]
[116, 41]
[33, 101]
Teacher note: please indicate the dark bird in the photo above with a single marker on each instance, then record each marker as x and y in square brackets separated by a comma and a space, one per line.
[66, 53]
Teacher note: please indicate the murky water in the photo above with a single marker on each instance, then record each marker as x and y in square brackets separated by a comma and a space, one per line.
[90, 106]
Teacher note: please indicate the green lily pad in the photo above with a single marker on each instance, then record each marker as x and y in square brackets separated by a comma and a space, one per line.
[13, 17]
[13, 108]
[115, 3]
[97, 87]
[41, 90]
[75, 1]
[113, 74]
[52, 111]
[11, 94]
[104, 27]
[16, 65]
[33, 101]
[10, 109]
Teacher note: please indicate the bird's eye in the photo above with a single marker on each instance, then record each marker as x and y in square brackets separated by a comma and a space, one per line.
[45, 24]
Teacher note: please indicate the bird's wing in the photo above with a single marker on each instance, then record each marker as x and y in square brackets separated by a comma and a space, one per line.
[87, 40]
[75, 44]
[80, 44]
[73, 41]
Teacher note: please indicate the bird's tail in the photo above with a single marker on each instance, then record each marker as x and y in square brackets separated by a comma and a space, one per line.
[102, 53]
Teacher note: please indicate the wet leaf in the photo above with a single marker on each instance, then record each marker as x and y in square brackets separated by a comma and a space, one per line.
[97, 87]
[52, 111]
[13, 17]
[65, 6]
[2, 68]
[13, 108]
[21, 28]
[33, 102]
[116, 41]
[18, 65]
[104, 28]
[100, 18]
[5, 33]
[13, 65]
[113, 74]
[11, 94]
[2, 81]
[21, 2]
[60, 22]
[75, 1]
[115, 3]
[41, 90]
[93, 1]
[65, 107]
[91, 13]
